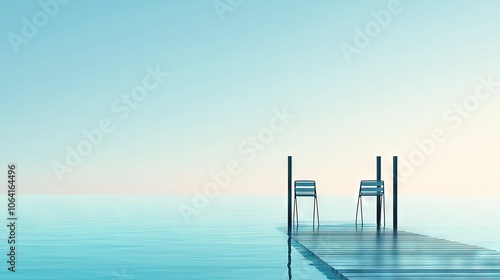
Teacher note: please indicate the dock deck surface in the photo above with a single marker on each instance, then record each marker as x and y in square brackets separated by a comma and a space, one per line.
[368, 253]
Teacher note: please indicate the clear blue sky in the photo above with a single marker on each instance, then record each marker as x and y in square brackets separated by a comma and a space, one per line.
[225, 79]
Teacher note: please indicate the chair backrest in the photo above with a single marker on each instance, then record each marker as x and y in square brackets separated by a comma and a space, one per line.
[371, 188]
[305, 188]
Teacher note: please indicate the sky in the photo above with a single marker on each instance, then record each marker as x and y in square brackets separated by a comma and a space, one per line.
[186, 97]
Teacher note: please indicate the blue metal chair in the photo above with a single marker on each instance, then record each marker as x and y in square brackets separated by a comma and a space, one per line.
[305, 188]
[370, 188]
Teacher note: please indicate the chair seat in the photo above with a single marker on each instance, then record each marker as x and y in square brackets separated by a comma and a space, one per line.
[306, 194]
[371, 194]
[299, 191]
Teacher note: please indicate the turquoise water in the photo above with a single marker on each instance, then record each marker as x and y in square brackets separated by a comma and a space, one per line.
[231, 237]
[145, 237]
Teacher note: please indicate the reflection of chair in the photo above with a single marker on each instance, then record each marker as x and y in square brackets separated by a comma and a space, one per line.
[370, 188]
[305, 188]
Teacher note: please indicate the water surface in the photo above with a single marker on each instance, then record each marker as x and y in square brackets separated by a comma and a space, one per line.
[228, 237]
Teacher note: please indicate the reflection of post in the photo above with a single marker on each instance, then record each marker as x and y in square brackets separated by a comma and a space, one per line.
[289, 194]
[289, 264]
[379, 198]
[395, 193]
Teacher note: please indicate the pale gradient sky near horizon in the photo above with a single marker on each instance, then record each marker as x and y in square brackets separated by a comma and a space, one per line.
[226, 78]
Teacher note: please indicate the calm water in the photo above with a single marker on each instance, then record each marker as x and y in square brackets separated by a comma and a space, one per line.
[232, 237]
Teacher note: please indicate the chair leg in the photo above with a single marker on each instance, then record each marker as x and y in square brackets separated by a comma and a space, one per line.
[317, 209]
[314, 210]
[357, 207]
[361, 206]
[295, 212]
[383, 196]
[294, 209]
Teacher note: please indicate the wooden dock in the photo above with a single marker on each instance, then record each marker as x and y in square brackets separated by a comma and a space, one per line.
[370, 254]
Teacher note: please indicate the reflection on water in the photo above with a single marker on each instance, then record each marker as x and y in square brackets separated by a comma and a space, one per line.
[289, 264]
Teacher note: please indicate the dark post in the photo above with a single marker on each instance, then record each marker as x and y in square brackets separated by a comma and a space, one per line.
[395, 192]
[289, 194]
[379, 200]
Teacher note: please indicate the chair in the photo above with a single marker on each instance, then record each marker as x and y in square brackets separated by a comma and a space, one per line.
[305, 188]
[370, 188]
